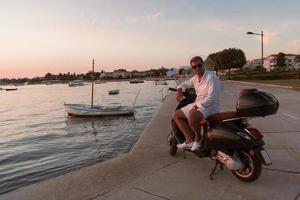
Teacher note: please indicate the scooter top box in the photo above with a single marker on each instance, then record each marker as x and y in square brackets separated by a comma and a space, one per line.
[256, 103]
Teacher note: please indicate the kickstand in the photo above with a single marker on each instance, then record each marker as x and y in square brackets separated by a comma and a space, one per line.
[221, 166]
[213, 171]
[184, 154]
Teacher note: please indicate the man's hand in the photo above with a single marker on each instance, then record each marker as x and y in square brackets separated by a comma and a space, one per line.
[179, 95]
[195, 107]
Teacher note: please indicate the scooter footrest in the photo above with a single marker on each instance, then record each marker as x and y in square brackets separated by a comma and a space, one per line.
[202, 153]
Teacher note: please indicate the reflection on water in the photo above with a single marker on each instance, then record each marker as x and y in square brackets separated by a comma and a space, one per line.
[111, 135]
[38, 141]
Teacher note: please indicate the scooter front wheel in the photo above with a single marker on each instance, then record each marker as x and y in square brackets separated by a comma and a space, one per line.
[173, 146]
[252, 169]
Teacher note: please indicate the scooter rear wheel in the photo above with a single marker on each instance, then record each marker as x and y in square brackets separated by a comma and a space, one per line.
[173, 146]
[252, 168]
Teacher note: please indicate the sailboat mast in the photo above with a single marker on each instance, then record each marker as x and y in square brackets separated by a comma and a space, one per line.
[92, 102]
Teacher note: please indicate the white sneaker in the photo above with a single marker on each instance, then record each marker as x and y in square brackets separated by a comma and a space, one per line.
[184, 145]
[195, 146]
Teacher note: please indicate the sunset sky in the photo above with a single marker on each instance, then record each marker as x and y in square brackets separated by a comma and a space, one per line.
[40, 36]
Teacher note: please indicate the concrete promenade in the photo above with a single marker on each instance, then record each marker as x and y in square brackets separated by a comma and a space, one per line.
[149, 172]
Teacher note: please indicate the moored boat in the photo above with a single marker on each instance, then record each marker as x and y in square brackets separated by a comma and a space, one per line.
[160, 82]
[76, 83]
[136, 81]
[11, 89]
[82, 110]
[111, 92]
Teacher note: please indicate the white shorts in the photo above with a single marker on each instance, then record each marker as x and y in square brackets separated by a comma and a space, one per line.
[206, 112]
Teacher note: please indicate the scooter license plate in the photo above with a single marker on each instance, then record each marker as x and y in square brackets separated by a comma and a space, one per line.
[265, 157]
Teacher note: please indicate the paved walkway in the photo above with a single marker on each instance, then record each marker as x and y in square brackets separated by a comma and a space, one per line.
[148, 172]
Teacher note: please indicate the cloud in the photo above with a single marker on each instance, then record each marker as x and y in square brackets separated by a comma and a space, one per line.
[220, 25]
[153, 17]
[131, 19]
[94, 21]
[296, 44]
[287, 26]
[292, 47]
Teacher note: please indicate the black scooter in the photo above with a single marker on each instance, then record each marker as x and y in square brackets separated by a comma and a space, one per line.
[228, 138]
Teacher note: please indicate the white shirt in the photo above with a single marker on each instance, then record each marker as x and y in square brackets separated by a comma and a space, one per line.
[208, 90]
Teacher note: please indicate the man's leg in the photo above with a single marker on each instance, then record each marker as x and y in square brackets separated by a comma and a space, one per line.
[195, 116]
[180, 120]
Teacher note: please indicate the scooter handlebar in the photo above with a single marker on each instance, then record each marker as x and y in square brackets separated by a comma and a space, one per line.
[173, 89]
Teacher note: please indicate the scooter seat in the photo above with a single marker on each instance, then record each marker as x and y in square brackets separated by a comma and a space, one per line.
[223, 116]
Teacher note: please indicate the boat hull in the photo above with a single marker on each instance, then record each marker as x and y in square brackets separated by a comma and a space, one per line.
[136, 81]
[112, 92]
[11, 89]
[76, 83]
[81, 110]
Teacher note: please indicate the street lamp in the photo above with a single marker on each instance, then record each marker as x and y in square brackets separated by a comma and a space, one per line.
[262, 45]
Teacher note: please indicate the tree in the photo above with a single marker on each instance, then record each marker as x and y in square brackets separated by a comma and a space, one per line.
[230, 58]
[96, 75]
[162, 71]
[212, 62]
[49, 76]
[281, 59]
[182, 71]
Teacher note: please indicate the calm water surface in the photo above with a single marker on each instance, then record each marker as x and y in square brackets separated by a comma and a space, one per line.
[38, 141]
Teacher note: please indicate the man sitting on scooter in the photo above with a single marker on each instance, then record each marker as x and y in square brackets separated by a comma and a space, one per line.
[208, 88]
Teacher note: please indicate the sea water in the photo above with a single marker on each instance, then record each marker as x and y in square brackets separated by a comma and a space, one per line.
[38, 141]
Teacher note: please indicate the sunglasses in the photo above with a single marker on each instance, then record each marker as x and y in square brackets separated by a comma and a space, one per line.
[197, 66]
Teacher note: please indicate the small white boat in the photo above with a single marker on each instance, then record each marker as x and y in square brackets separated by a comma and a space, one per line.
[11, 89]
[161, 83]
[76, 83]
[83, 110]
[111, 92]
[136, 81]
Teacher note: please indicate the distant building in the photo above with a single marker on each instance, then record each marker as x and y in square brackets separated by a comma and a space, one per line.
[252, 64]
[121, 73]
[138, 74]
[297, 66]
[103, 75]
[270, 62]
[290, 61]
[107, 75]
[176, 71]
